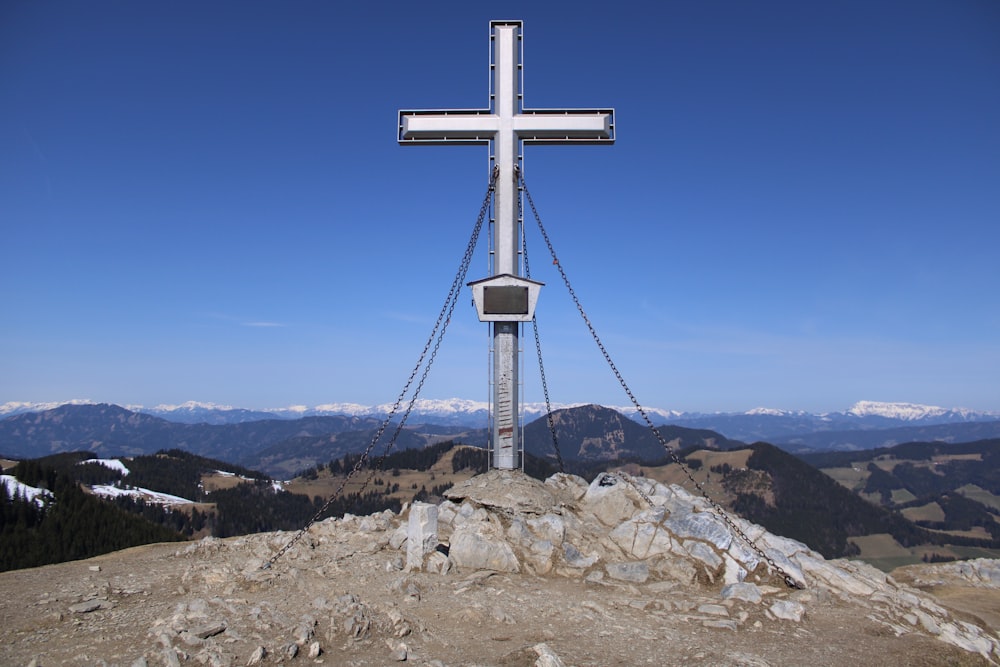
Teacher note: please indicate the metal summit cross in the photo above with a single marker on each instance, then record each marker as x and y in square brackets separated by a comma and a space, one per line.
[506, 299]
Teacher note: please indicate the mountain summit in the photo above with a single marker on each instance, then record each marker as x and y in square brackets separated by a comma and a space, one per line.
[508, 571]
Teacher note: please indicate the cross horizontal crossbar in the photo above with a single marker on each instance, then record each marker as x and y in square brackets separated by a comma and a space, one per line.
[479, 126]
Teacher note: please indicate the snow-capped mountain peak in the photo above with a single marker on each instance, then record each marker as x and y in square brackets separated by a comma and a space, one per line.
[190, 406]
[17, 407]
[902, 411]
[475, 414]
[768, 412]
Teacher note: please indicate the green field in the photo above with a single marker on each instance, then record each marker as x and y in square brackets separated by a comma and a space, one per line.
[928, 512]
[980, 495]
[887, 554]
[976, 552]
[884, 552]
[853, 478]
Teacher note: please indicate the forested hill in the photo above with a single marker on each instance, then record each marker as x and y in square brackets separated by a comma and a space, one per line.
[593, 433]
[796, 500]
[940, 486]
[986, 451]
[74, 505]
[66, 523]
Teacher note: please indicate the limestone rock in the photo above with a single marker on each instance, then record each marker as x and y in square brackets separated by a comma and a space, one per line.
[481, 546]
[713, 609]
[701, 551]
[634, 572]
[209, 630]
[171, 659]
[721, 623]
[679, 570]
[510, 490]
[742, 591]
[787, 610]
[398, 537]
[569, 488]
[437, 563]
[703, 526]
[642, 536]
[576, 559]
[257, 657]
[609, 499]
[399, 653]
[836, 579]
[549, 527]
[982, 572]
[734, 571]
[421, 534]
[85, 607]
[546, 656]
[978, 573]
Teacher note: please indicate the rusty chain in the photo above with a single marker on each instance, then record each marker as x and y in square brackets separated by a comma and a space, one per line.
[538, 340]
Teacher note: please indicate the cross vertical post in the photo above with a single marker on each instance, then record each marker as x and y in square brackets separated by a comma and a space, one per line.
[504, 127]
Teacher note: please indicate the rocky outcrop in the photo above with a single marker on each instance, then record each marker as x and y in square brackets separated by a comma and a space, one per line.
[978, 573]
[507, 570]
[626, 529]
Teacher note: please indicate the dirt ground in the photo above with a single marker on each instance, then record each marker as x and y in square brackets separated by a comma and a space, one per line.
[210, 603]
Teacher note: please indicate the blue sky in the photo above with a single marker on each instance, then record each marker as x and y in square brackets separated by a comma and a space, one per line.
[206, 201]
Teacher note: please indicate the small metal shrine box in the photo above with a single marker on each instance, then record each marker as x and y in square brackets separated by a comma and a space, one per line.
[505, 298]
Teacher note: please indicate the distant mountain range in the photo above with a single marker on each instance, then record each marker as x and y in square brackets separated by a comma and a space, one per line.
[111, 431]
[464, 412]
[285, 446]
[777, 426]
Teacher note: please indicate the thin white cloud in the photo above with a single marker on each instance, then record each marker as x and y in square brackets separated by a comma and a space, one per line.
[232, 319]
[263, 324]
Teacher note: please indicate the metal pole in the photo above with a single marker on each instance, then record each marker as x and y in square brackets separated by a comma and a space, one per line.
[506, 402]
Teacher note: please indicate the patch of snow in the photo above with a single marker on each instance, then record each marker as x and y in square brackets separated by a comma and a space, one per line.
[627, 410]
[113, 464]
[16, 489]
[154, 497]
[770, 412]
[338, 408]
[192, 405]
